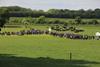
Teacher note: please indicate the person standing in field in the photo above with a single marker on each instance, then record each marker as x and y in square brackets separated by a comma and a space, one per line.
[49, 30]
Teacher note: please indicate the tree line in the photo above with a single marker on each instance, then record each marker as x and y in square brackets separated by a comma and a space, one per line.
[45, 20]
[16, 11]
[40, 16]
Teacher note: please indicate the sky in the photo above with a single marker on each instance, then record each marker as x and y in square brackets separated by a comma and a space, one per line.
[51, 4]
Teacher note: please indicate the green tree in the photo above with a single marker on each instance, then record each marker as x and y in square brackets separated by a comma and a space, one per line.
[78, 20]
[3, 16]
[95, 22]
[40, 20]
[25, 22]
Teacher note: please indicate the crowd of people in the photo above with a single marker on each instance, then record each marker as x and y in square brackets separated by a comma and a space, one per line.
[72, 36]
[56, 34]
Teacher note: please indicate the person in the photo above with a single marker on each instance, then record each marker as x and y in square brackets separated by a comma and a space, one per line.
[49, 30]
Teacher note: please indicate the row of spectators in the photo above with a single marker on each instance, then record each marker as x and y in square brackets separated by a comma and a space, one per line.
[56, 34]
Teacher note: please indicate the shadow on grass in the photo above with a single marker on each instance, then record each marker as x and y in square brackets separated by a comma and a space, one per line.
[7, 60]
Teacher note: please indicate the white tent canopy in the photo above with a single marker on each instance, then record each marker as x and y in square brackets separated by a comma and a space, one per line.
[97, 34]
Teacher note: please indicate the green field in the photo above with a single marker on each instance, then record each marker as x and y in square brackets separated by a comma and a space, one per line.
[49, 51]
[24, 51]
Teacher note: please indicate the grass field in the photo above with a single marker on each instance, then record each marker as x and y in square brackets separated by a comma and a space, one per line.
[49, 51]
[24, 51]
